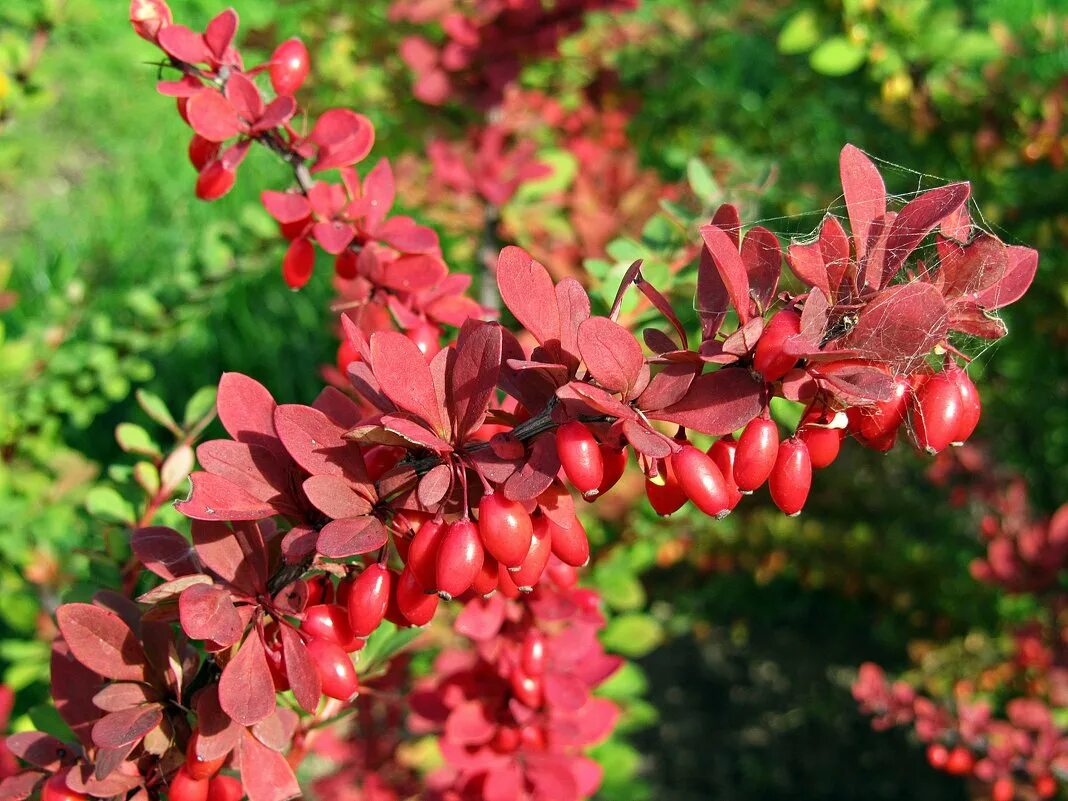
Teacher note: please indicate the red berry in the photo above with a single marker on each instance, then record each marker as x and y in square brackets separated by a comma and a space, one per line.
[580, 456]
[792, 477]
[757, 448]
[823, 443]
[289, 66]
[960, 761]
[702, 481]
[414, 603]
[1045, 786]
[723, 453]
[505, 584]
[937, 755]
[200, 768]
[937, 411]
[506, 740]
[214, 181]
[368, 599]
[335, 669]
[380, 459]
[768, 358]
[184, 787]
[615, 463]
[532, 656]
[330, 622]
[485, 583]
[346, 355]
[320, 590]
[298, 263]
[55, 789]
[526, 689]
[877, 421]
[971, 407]
[225, 788]
[664, 493]
[570, 544]
[1003, 790]
[423, 553]
[505, 528]
[427, 337]
[460, 557]
[563, 576]
[537, 556]
[202, 152]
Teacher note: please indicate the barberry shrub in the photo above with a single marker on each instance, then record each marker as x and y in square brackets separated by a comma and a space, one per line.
[447, 469]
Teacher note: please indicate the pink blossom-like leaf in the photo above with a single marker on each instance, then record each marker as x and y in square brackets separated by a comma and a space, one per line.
[219, 34]
[481, 618]
[1020, 272]
[344, 138]
[503, 783]
[917, 219]
[184, 44]
[215, 498]
[414, 272]
[611, 353]
[314, 441]
[471, 376]
[117, 729]
[552, 779]
[340, 539]
[865, 194]
[265, 774]
[246, 690]
[762, 257]
[244, 97]
[378, 193]
[335, 497]
[717, 403]
[469, 724]
[565, 690]
[528, 292]
[902, 322]
[278, 112]
[333, 236]
[728, 262]
[102, 642]
[246, 410]
[806, 262]
[405, 377]
[207, 613]
[303, 678]
[212, 116]
[405, 235]
[163, 551]
[238, 555]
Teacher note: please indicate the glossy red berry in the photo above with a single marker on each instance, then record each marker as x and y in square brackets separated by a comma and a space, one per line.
[289, 66]
[757, 448]
[423, 553]
[879, 419]
[570, 544]
[346, 355]
[702, 481]
[368, 599]
[580, 457]
[414, 603]
[723, 453]
[336, 673]
[55, 789]
[1003, 790]
[427, 337]
[527, 689]
[615, 463]
[505, 528]
[200, 768]
[214, 181]
[960, 761]
[791, 478]
[823, 444]
[1045, 786]
[298, 263]
[937, 755]
[532, 657]
[505, 584]
[971, 406]
[537, 557]
[329, 622]
[225, 788]
[768, 358]
[664, 493]
[460, 557]
[937, 411]
[185, 788]
[485, 583]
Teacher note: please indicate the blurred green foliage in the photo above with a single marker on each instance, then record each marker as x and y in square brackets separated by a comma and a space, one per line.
[114, 278]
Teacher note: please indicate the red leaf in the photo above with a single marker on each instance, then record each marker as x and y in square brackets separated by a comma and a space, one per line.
[378, 193]
[503, 783]
[251, 468]
[218, 734]
[211, 115]
[972, 268]
[865, 195]
[333, 236]
[246, 410]
[858, 385]
[163, 551]
[415, 272]
[573, 305]
[900, 324]
[20, 786]
[646, 441]
[335, 497]
[434, 485]
[344, 138]
[717, 403]
[215, 498]
[1020, 272]
[277, 730]
[762, 257]
[403, 234]
[238, 555]
[481, 619]
[118, 729]
[183, 44]
[528, 292]
[244, 97]
[668, 386]
[414, 433]
[352, 536]
[207, 613]
[468, 724]
[220, 33]
[611, 353]
[834, 246]
[102, 642]
[265, 774]
[405, 377]
[39, 749]
[471, 376]
[73, 688]
[728, 262]
[278, 112]
[917, 219]
[806, 262]
[315, 442]
[246, 690]
[727, 218]
[122, 695]
[303, 677]
[537, 473]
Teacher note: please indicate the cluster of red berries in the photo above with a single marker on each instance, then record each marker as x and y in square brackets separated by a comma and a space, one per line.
[199, 779]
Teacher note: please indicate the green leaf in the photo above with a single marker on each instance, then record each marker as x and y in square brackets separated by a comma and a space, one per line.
[47, 719]
[702, 182]
[620, 589]
[106, 503]
[199, 406]
[838, 56]
[134, 439]
[147, 477]
[156, 409]
[384, 643]
[800, 34]
[626, 683]
[633, 635]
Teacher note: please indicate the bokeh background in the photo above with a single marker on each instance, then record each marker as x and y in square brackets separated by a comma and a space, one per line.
[747, 633]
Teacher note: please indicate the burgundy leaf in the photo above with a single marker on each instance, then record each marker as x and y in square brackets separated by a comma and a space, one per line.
[762, 257]
[340, 539]
[574, 306]
[728, 262]
[170, 590]
[663, 305]
[335, 497]
[163, 551]
[121, 695]
[471, 376]
[717, 403]
[119, 729]
[277, 730]
[646, 441]
[303, 678]
[405, 376]
[218, 734]
[611, 353]
[215, 498]
[528, 292]
[246, 690]
[102, 642]
[901, 323]
[858, 385]
[338, 406]
[315, 441]
[73, 688]
[20, 786]
[254, 469]
[207, 613]
[39, 749]
[975, 267]
[834, 247]
[971, 319]
[728, 218]
[668, 386]
[246, 410]
[1020, 272]
[744, 339]
[434, 486]
[917, 219]
[806, 262]
[537, 473]
[237, 555]
[265, 774]
[211, 115]
[578, 397]
[865, 194]
[814, 317]
[412, 433]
